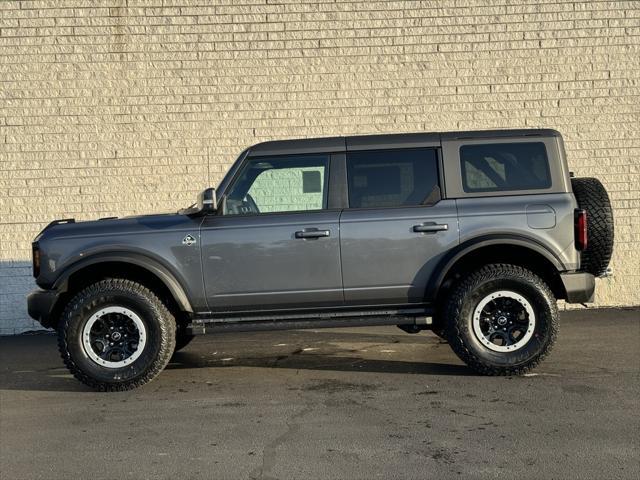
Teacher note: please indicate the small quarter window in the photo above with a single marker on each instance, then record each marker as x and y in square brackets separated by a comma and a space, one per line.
[392, 178]
[499, 167]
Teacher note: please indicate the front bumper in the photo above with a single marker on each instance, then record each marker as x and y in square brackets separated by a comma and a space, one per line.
[40, 305]
[580, 286]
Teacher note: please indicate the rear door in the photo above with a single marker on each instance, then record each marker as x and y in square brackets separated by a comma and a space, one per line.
[275, 244]
[397, 227]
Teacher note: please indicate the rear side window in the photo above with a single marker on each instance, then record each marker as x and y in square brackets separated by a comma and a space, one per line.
[498, 167]
[392, 178]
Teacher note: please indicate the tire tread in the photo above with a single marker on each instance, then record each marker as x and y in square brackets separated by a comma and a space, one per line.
[454, 304]
[592, 197]
[167, 331]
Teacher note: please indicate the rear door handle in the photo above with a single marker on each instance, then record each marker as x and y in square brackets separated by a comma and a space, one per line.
[309, 233]
[430, 227]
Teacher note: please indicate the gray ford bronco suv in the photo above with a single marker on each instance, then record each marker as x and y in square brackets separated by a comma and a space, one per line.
[473, 235]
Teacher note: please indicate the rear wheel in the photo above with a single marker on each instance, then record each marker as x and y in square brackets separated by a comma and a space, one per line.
[501, 320]
[116, 335]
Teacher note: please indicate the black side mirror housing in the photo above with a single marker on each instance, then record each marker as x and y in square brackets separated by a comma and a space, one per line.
[207, 201]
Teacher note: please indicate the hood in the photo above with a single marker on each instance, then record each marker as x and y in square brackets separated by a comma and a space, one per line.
[64, 243]
[68, 227]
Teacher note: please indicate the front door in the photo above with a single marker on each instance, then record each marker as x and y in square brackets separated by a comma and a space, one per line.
[396, 229]
[275, 244]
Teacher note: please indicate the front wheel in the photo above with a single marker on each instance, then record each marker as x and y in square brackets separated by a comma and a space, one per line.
[116, 335]
[501, 320]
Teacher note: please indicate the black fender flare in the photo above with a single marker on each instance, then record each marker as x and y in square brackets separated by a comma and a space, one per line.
[445, 265]
[153, 266]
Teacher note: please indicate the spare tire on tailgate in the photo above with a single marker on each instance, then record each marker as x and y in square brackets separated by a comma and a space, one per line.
[592, 197]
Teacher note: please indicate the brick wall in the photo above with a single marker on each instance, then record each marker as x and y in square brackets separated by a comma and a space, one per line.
[123, 107]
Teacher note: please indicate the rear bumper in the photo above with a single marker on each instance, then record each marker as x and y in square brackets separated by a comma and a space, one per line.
[580, 286]
[40, 305]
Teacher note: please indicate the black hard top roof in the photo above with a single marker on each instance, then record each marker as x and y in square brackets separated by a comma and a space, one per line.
[395, 140]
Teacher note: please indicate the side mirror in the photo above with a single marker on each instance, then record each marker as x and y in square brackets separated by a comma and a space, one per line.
[207, 201]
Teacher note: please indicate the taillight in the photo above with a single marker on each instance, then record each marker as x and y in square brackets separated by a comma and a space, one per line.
[36, 259]
[580, 225]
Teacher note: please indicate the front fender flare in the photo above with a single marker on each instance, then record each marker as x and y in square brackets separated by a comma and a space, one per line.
[143, 261]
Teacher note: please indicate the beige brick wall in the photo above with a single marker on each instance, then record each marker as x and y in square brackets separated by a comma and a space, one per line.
[123, 107]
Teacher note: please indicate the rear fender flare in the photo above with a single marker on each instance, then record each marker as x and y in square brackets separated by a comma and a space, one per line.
[447, 263]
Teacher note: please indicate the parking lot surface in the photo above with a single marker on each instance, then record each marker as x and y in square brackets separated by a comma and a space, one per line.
[340, 403]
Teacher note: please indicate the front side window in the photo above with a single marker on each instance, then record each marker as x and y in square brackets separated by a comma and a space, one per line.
[280, 184]
[392, 178]
[498, 167]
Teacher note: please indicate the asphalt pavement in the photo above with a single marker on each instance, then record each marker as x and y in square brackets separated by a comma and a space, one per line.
[332, 404]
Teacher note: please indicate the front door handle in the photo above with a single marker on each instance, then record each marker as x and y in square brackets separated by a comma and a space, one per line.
[312, 233]
[430, 227]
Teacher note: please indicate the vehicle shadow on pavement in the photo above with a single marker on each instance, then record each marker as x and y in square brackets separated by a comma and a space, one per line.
[32, 363]
[59, 380]
[316, 361]
[49, 380]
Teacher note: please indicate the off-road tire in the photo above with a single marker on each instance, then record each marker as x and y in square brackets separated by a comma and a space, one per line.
[160, 335]
[592, 197]
[466, 295]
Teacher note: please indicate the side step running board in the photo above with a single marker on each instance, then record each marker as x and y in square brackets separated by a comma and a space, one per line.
[201, 326]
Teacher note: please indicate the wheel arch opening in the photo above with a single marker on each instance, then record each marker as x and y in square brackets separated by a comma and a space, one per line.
[96, 272]
[503, 253]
